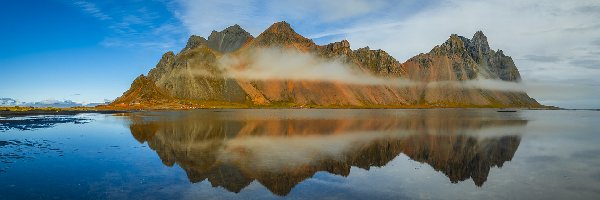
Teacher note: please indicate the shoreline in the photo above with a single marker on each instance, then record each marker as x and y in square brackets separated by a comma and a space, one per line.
[8, 112]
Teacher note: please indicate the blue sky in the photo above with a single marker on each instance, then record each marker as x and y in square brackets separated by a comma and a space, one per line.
[88, 51]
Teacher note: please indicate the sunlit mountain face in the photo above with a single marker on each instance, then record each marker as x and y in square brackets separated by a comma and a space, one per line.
[280, 149]
[283, 69]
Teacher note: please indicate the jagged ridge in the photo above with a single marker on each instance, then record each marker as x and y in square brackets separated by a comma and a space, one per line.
[193, 73]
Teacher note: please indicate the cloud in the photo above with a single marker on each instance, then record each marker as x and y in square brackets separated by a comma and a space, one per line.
[151, 25]
[587, 63]
[92, 9]
[542, 58]
[327, 11]
[518, 27]
[565, 95]
[596, 42]
[286, 64]
[488, 84]
[355, 30]
[201, 17]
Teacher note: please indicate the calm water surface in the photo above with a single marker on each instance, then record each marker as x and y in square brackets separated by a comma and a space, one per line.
[303, 154]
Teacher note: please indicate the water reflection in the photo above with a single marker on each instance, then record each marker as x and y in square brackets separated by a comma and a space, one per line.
[281, 148]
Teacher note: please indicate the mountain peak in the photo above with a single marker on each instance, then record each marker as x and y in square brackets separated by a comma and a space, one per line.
[281, 28]
[282, 34]
[143, 92]
[234, 27]
[194, 41]
[231, 29]
[454, 45]
[229, 39]
[480, 42]
[479, 34]
[282, 25]
[458, 38]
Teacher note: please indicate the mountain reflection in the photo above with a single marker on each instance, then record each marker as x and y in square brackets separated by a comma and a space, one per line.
[281, 148]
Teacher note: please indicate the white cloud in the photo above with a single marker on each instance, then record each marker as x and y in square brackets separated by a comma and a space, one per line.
[92, 9]
[283, 64]
[201, 17]
[326, 11]
[135, 25]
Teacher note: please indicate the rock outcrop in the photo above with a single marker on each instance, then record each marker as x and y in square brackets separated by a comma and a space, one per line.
[229, 40]
[282, 35]
[466, 59]
[144, 93]
[196, 74]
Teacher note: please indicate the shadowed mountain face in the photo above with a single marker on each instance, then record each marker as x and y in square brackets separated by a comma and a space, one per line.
[231, 67]
[280, 148]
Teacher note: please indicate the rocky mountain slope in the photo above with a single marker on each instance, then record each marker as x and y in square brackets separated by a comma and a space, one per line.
[229, 69]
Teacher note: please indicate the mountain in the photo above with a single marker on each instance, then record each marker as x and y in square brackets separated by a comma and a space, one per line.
[44, 103]
[54, 104]
[9, 102]
[281, 68]
[144, 93]
[228, 40]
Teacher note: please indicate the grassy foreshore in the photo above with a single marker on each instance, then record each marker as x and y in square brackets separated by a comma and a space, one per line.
[191, 105]
[16, 111]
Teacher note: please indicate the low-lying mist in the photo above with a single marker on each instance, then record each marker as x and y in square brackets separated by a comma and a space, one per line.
[289, 64]
[284, 64]
[487, 84]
